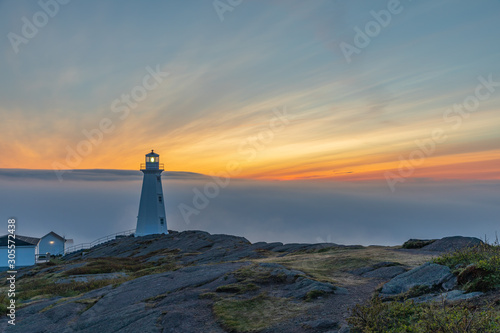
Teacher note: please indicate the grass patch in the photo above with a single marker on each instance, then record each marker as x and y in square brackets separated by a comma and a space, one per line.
[157, 298]
[136, 267]
[166, 267]
[334, 264]
[89, 302]
[477, 268]
[314, 294]
[238, 288]
[109, 265]
[56, 303]
[4, 302]
[392, 317]
[32, 288]
[255, 274]
[254, 314]
[209, 295]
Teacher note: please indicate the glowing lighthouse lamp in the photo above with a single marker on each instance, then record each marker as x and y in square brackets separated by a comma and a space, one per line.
[151, 219]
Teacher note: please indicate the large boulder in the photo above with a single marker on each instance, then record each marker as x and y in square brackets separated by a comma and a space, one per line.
[428, 275]
[449, 244]
[298, 285]
[417, 243]
[305, 288]
[382, 270]
[449, 296]
[385, 272]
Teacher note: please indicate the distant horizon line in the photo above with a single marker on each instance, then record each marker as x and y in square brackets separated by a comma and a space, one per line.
[13, 173]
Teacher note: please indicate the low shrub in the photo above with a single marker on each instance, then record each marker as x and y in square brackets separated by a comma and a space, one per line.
[254, 314]
[477, 267]
[392, 317]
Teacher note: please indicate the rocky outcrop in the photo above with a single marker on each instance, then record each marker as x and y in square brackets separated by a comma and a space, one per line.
[427, 283]
[172, 283]
[382, 270]
[385, 272]
[417, 243]
[320, 324]
[450, 296]
[200, 266]
[91, 277]
[134, 306]
[428, 275]
[448, 244]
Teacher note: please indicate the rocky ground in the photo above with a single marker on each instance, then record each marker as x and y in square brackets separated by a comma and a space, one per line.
[193, 281]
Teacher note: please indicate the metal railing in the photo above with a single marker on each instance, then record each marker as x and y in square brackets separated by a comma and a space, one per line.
[155, 166]
[86, 246]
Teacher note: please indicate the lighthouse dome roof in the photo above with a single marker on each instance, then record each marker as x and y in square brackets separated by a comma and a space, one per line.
[152, 154]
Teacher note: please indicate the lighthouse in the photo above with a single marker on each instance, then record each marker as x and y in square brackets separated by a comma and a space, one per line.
[151, 218]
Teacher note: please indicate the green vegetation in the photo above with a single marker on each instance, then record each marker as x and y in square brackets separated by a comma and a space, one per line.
[333, 264]
[41, 282]
[257, 313]
[108, 265]
[313, 294]
[46, 287]
[89, 302]
[4, 302]
[135, 266]
[239, 288]
[408, 316]
[209, 295]
[255, 274]
[115, 264]
[477, 268]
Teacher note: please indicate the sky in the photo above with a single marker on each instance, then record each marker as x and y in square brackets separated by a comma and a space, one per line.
[333, 119]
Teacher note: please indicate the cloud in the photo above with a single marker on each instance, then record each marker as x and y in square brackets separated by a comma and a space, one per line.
[96, 175]
[96, 203]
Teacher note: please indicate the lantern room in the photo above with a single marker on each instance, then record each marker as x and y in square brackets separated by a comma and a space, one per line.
[152, 162]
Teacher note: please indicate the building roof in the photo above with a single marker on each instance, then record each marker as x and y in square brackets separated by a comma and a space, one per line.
[55, 235]
[20, 240]
[152, 154]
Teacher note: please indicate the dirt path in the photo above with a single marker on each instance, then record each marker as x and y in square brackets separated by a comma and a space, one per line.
[329, 308]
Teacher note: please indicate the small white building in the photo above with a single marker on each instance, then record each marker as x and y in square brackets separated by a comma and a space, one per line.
[52, 243]
[26, 250]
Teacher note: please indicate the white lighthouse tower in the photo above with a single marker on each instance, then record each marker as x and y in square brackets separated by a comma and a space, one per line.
[151, 218]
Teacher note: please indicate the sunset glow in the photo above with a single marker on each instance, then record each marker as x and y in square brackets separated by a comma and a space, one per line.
[341, 120]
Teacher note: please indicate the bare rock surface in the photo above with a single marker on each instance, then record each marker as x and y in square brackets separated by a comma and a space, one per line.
[448, 244]
[382, 270]
[91, 277]
[385, 272]
[450, 296]
[200, 270]
[429, 275]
